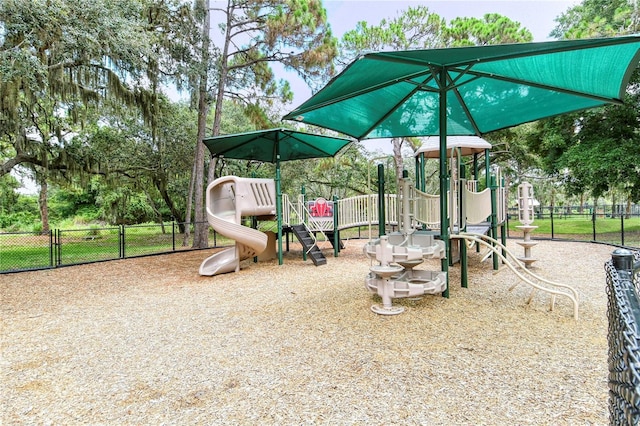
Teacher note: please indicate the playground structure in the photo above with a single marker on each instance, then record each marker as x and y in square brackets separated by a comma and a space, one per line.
[419, 215]
[473, 216]
[397, 255]
[228, 200]
[525, 215]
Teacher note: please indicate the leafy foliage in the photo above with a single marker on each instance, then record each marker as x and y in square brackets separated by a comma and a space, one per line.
[597, 151]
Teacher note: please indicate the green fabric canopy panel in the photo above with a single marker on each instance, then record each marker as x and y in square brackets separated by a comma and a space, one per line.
[267, 145]
[487, 88]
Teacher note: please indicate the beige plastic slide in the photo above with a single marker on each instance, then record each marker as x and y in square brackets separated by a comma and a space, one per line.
[228, 199]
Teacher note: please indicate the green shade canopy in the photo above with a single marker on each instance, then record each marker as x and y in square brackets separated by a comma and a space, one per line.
[267, 145]
[274, 146]
[486, 88]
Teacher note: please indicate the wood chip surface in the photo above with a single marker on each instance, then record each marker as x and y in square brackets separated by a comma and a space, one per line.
[148, 341]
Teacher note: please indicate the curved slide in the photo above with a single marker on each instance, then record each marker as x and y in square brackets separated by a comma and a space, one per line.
[228, 199]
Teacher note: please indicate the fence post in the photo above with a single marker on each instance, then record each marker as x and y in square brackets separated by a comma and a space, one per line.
[623, 339]
[173, 233]
[55, 248]
[593, 223]
[121, 241]
[622, 228]
[51, 241]
[58, 243]
[622, 260]
[552, 230]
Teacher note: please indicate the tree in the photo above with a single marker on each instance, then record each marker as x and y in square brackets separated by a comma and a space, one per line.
[415, 27]
[57, 57]
[254, 34]
[593, 18]
[127, 153]
[65, 58]
[598, 149]
[493, 28]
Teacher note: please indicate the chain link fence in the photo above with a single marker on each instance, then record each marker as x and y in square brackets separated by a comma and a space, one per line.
[609, 224]
[22, 251]
[623, 310]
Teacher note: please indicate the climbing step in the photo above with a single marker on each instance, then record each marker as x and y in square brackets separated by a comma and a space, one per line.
[330, 237]
[308, 244]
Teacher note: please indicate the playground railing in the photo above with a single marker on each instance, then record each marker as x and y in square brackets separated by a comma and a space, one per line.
[623, 282]
[502, 204]
[477, 205]
[427, 208]
[291, 212]
[22, 251]
[358, 211]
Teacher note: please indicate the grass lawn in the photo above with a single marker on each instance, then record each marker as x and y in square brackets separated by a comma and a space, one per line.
[20, 251]
[580, 225]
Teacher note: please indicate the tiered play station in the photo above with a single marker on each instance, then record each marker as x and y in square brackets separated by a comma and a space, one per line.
[526, 215]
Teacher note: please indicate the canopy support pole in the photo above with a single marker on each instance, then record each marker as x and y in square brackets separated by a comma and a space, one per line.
[279, 207]
[382, 220]
[444, 219]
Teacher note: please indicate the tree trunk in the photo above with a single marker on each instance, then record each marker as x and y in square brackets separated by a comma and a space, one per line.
[581, 210]
[201, 228]
[188, 208]
[156, 211]
[397, 159]
[162, 189]
[613, 204]
[222, 82]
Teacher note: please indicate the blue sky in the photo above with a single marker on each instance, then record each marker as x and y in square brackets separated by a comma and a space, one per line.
[537, 16]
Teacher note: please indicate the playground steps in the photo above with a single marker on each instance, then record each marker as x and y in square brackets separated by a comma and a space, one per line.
[330, 237]
[308, 244]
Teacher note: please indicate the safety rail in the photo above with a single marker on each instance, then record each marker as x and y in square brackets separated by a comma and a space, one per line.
[358, 211]
[314, 224]
[477, 206]
[426, 208]
[362, 210]
[291, 212]
[623, 310]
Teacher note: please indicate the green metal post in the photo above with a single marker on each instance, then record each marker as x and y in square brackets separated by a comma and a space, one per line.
[423, 178]
[444, 220]
[303, 216]
[464, 275]
[503, 226]
[475, 177]
[381, 205]
[475, 166]
[336, 231]
[494, 218]
[487, 168]
[279, 209]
